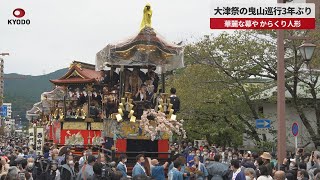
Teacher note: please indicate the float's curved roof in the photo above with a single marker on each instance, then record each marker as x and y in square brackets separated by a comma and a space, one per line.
[147, 48]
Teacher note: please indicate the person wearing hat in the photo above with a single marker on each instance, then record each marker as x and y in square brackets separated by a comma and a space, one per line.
[266, 158]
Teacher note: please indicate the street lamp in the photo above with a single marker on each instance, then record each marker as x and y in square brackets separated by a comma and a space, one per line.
[307, 50]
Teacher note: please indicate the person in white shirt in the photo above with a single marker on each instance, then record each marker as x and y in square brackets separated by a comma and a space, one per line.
[237, 173]
[84, 158]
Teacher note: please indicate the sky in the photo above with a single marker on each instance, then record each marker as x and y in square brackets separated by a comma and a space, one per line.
[62, 31]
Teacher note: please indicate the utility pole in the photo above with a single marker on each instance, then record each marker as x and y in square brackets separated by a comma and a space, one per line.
[281, 103]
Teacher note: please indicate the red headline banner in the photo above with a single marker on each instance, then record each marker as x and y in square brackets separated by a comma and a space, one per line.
[262, 23]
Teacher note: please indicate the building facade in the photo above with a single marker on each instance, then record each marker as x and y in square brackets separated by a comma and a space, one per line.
[269, 110]
[6, 109]
[1, 81]
[266, 106]
[10, 126]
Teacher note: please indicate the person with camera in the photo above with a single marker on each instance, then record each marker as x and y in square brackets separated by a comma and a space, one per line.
[67, 170]
[53, 173]
[122, 165]
[86, 173]
[299, 155]
[314, 163]
[22, 166]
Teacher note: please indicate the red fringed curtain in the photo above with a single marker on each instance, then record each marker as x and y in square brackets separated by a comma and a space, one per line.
[163, 146]
[121, 145]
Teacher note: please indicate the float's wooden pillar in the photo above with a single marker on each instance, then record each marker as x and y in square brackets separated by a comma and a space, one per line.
[163, 80]
[122, 82]
[64, 104]
[89, 104]
[110, 83]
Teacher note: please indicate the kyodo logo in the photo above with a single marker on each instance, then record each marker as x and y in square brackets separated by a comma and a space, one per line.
[18, 13]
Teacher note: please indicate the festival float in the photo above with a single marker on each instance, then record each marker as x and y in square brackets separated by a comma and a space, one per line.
[120, 102]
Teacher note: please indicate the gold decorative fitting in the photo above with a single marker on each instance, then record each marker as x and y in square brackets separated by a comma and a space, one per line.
[75, 64]
[61, 115]
[75, 125]
[75, 74]
[96, 126]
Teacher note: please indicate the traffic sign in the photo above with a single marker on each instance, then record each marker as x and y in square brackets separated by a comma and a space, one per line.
[295, 129]
[263, 123]
[4, 111]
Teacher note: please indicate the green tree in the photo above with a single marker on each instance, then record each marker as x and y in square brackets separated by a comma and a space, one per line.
[245, 54]
[213, 106]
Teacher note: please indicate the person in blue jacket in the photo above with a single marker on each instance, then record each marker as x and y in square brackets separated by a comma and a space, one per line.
[175, 173]
[122, 167]
[190, 157]
[203, 173]
[138, 169]
[157, 170]
[173, 158]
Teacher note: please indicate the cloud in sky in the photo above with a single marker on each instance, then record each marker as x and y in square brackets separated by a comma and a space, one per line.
[65, 30]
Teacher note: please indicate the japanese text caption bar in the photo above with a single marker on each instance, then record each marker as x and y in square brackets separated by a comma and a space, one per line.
[262, 16]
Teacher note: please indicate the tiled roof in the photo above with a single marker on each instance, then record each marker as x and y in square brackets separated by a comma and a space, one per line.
[72, 81]
[77, 75]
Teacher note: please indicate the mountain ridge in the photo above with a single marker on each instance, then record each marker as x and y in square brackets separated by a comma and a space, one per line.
[25, 90]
